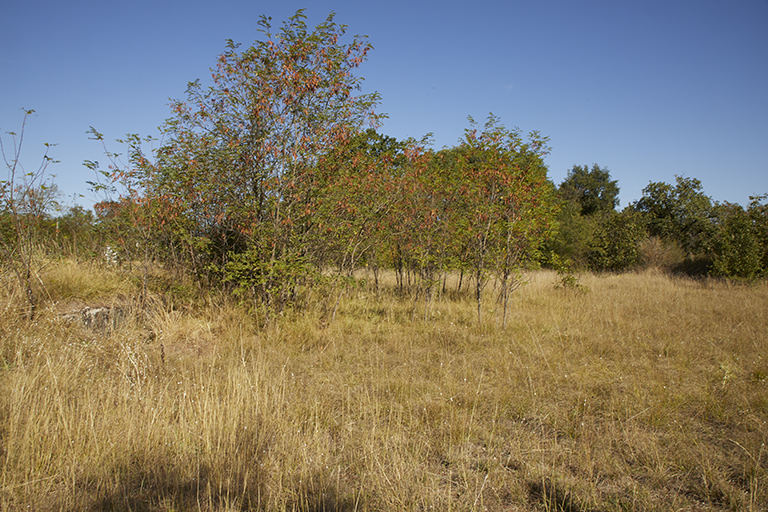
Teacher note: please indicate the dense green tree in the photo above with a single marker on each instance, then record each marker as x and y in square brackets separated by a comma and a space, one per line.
[758, 214]
[737, 251]
[682, 213]
[592, 189]
[586, 196]
[573, 235]
[616, 242]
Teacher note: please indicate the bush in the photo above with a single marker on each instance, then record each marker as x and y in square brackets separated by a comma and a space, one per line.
[616, 243]
[655, 252]
[574, 235]
[737, 249]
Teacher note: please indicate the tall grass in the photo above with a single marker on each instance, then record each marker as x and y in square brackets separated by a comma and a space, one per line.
[646, 392]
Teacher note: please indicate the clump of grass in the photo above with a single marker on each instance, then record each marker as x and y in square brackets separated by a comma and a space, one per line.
[68, 280]
[645, 394]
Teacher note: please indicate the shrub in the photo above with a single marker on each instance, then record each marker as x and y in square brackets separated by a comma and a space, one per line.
[737, 249]
[615, 245]
[655, 252]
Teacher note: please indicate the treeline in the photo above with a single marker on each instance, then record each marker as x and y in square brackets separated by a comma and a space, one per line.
[672, 227]
[273, 183]
[483, 208]
[268, 182]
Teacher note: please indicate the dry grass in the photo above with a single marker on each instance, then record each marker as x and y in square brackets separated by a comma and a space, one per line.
[645, 393]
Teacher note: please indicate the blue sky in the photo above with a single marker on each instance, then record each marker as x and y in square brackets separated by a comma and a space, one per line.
[648, 89]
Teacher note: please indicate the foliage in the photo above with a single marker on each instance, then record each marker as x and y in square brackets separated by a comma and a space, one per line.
[569, 280]
[615, 246]
[268, 181]
[592, 189]
[136, 221]
[758, 214]
[587, 196]
[573, 235]
[242, 155]
[356, 187]
[682, 213]
[506, 203]
[74, 232]
[238, 174]
[423, 224]
[737, 249]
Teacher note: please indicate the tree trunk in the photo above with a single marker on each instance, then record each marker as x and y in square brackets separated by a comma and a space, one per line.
[478, 292]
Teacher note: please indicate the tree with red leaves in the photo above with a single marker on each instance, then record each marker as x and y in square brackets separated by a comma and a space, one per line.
[238, 167]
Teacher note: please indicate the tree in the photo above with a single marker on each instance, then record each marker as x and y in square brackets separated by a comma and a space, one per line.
[348, 201]
[758, 213]
[682, 213]
[238, 170]
[424, 223]
[135, 219]
[587, 197]
[507, 203]
[616, 241]
[354, 187]
[592, 189]
[25, 197]
[737, 248]
[572, 235]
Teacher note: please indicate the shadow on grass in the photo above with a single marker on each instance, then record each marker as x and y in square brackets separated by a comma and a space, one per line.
[160, 490]
[552, 497]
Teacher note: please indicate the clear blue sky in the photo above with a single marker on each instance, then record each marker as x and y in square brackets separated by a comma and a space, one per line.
[648, 89]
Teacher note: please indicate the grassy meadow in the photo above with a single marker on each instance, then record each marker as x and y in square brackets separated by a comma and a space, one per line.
[640, 392]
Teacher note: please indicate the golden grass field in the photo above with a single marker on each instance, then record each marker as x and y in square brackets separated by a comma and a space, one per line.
[645, 393]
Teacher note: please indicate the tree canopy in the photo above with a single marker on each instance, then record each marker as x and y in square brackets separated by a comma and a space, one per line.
[681, 212]
[592, 189]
